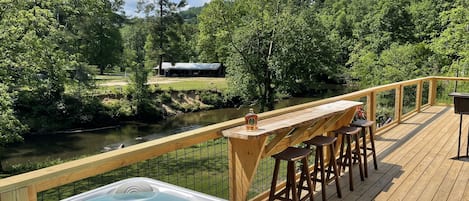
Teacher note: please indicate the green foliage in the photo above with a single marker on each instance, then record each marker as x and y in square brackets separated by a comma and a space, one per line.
[400, 39]
[256, 39]
[11, 128]
[118, 109]
[31, 166]
[214, 32]
[93, 27]
[453, 42]
[398, 63]
[165, 97]
[190, 15]
[211, 98]
[150, 54]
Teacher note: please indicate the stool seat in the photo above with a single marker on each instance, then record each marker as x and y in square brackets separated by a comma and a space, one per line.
[363, 123]
[348, 130]
[292, 154]
[321, 141]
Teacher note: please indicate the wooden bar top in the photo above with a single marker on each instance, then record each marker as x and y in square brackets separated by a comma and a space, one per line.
[290, 120]
[459, 95]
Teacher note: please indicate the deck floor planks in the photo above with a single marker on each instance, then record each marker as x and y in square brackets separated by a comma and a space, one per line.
[383, 142]
[435, 168]
[383, 176]
[387, 141]
[457, 192]
[415, 162]
[407, 157]
[416, 167]
[449, 181]
[436, 183]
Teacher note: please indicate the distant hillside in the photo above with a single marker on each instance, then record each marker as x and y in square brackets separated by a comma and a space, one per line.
[190, 15]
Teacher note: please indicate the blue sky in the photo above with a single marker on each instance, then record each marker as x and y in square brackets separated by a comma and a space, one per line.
[131, 6]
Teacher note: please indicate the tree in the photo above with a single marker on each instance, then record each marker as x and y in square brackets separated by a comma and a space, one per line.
[136, 42]
[453, 41]
[425, 17]
[11, 128]
[214, 32]
[271, 47]
[31, 54]
[166, 11]
[94, 25]
[388, 22]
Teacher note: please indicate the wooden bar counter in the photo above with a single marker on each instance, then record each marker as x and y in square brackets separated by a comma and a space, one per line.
[247, 148]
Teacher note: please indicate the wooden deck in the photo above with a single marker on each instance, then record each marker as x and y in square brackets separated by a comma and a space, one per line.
[415, 162]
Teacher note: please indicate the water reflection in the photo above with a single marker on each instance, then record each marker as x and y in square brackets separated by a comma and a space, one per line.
[65, 146]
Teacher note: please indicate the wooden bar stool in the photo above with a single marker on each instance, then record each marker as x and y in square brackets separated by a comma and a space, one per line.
[364, 124]
[291, 155]
[320, 142]
[347, 134]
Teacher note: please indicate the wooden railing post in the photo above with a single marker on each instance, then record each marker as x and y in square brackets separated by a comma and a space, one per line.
[371, 108]
[20, 194]
[432, 91]
[398, 103]
[418, 96]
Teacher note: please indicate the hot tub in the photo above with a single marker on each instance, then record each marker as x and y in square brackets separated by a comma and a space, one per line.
[142, 189]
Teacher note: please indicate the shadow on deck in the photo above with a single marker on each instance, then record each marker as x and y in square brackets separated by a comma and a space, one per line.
[415, 161]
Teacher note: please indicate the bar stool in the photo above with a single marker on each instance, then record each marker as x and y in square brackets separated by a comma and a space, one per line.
[291, 155]
[347, 134]
[364, 124]
[320, 142]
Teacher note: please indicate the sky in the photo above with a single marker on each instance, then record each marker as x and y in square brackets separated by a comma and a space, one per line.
[131, 6]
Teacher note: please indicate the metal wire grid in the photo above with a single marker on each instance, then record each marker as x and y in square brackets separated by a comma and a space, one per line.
[202, 167]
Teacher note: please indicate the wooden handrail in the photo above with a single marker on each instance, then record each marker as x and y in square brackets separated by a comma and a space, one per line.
[25, 186]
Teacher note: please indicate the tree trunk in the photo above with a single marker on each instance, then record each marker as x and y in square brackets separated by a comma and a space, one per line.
[160, 68]
[101, 69]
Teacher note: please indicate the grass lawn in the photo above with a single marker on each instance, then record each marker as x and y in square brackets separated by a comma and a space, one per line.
[194, 83]
[166, 83]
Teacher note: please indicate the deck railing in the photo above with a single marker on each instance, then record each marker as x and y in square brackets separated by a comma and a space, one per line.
[387, 104]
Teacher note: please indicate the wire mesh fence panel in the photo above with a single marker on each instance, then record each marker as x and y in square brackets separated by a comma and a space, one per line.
[445, 87]
[385, 107]
[425, 92]
[202, 167]
[409, 98]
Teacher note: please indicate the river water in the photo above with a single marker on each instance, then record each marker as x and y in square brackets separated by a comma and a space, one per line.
[66, 146]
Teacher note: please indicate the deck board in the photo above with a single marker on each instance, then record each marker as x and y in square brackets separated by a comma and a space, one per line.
[416, 162]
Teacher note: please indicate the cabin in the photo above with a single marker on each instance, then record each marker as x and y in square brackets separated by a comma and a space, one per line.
[419, 154]
[192, 69]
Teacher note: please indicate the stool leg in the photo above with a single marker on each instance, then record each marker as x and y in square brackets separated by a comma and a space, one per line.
[336, 173]
[316, 168]
[341, 154]
[273, 185]
[365, 155]
[292, 183]
[373, 147]
[288, 184]
[349, 155]
[308, 180]
[357, 150]
[323, 175]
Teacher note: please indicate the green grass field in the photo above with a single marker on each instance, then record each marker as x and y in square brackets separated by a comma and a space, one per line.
[180, 84]
[166, 83]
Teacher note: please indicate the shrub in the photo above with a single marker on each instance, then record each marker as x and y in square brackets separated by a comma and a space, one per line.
[211, 98]
[165, 97]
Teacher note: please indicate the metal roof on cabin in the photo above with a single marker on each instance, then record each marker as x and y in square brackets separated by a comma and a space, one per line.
[191, 66]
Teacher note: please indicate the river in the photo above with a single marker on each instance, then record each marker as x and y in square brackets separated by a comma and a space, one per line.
[66, 146]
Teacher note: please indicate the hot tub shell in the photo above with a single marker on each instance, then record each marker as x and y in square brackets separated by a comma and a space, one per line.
[142, 185]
